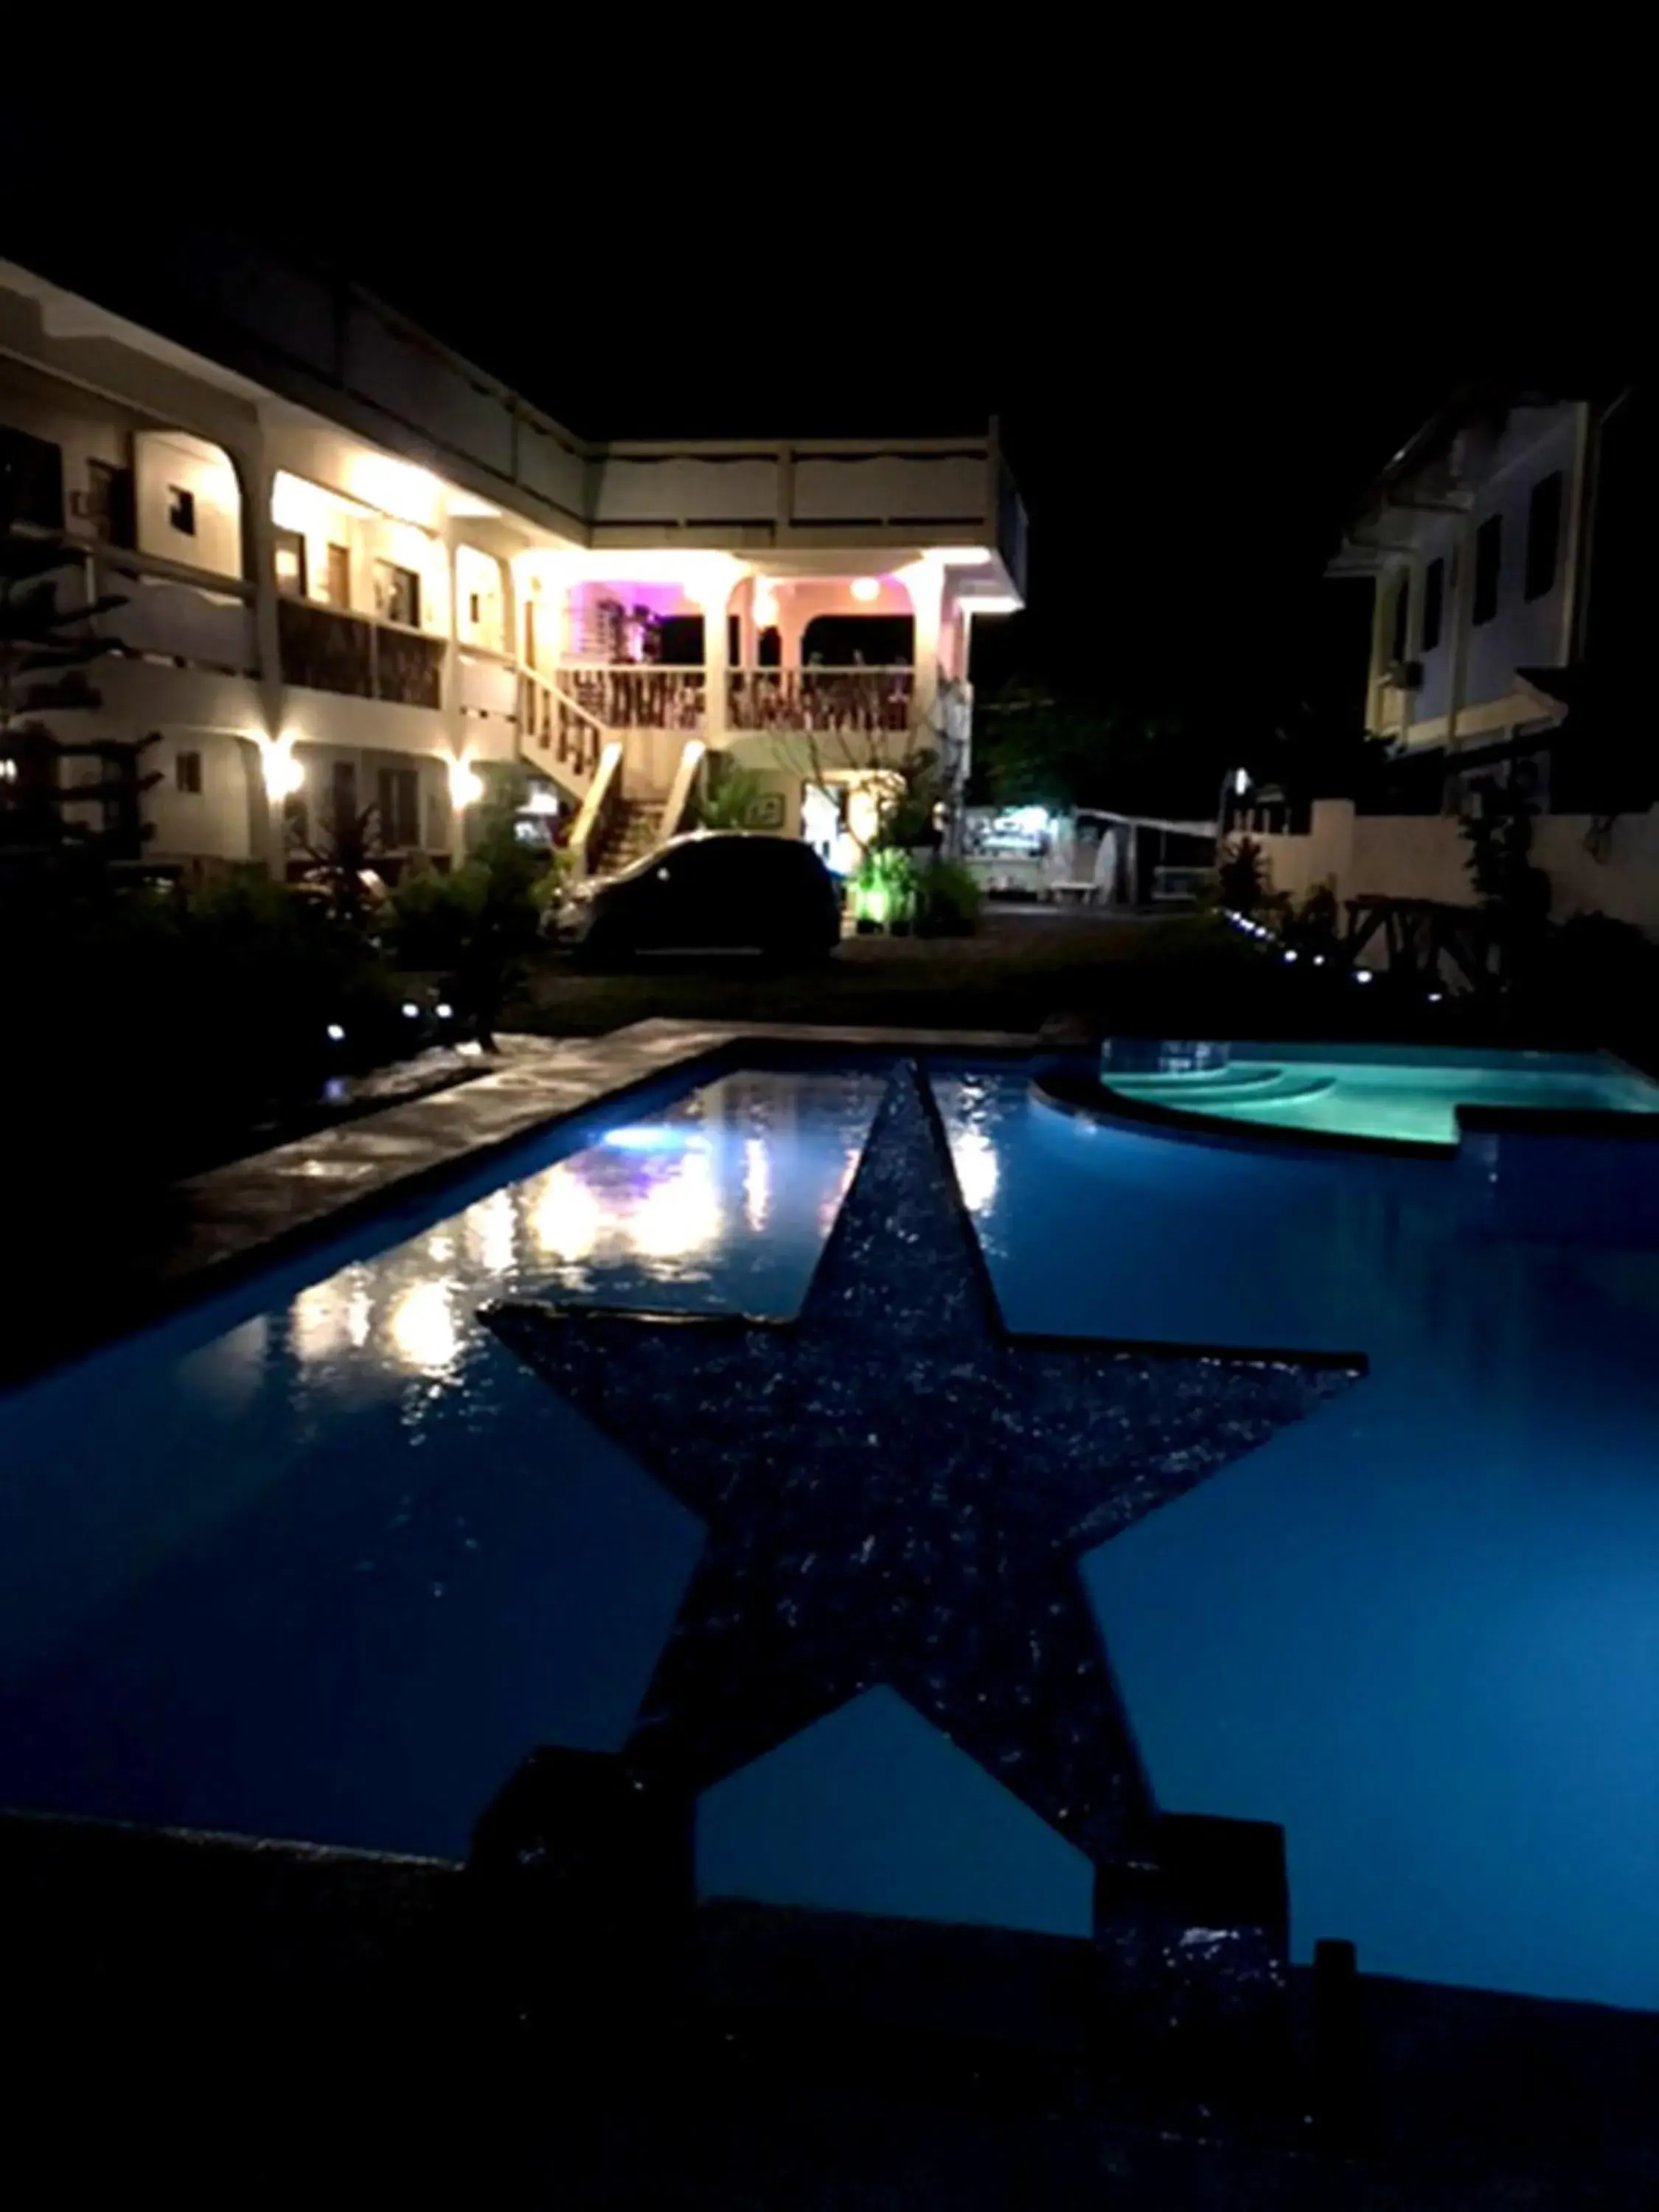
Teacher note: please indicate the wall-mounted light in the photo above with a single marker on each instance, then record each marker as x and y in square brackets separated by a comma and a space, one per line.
[284, 771]
[466, 785]
[766, 606]
[865, 588]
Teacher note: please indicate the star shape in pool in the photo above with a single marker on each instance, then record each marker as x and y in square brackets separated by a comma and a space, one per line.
[897, 1489]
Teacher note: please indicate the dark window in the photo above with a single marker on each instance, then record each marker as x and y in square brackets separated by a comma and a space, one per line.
[181, 510]
[1402, 605]
[679, 639]
[343, 796]
[290, 564]
[1434, 603]
[1543, 534]
[397, 594]
[296, 819]
[109, 503]
[187, 772]
[1488, 561]
[400, 806]
[31, 480]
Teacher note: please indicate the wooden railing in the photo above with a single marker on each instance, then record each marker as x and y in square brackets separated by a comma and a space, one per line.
[827, 701]
[554, 734]
[327, 650]
[636, 695]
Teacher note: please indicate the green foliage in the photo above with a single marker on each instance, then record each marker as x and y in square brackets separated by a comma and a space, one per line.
[1498, 834]
[885, 888]
[729, 797]
[948, 900]
[479, 924]
[1314, 925]
[1242, 877]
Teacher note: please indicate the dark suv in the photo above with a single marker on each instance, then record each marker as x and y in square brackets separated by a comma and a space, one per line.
[713, 890]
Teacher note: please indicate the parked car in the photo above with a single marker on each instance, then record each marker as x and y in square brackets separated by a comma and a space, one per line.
[712, 891]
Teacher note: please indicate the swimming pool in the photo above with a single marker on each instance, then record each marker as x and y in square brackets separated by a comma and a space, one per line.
[321, 1557]
[1390, 1093]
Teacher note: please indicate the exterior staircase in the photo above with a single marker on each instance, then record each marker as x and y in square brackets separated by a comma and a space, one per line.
[633, 827]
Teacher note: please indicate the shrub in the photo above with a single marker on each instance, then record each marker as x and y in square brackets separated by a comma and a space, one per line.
[1242, 876]
[478, 924]
[948, 900]
[884, 889]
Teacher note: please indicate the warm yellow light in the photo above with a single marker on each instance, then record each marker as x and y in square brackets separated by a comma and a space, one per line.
[680, 1217]
[960, 556]
[766, 607]
[398, 489]
[465, 784]
[284, 772]
[565, 1221]
[757, 1183]
[996, 603]
[491, 1231]
[865, 588]
[422, 1327]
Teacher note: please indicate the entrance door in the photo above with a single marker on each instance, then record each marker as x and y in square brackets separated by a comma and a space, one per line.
[339, 576]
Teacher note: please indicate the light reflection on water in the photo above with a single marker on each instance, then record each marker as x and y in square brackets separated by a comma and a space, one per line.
[721, 1200]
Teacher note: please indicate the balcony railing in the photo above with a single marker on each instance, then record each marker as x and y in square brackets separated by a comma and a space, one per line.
[165, 615]
[553, 730]
[328, 651]
[827, 702]
[637, 696]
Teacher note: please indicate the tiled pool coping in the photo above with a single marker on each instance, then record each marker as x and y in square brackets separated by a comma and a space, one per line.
[250, 1209]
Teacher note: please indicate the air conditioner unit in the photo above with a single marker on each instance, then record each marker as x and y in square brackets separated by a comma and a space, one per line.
[1404, 675]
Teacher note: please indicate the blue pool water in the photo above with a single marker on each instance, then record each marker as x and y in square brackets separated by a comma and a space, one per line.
[322, 1559]
[1408, 1095]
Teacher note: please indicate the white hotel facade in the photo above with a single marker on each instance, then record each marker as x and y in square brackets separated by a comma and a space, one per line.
[355, 569]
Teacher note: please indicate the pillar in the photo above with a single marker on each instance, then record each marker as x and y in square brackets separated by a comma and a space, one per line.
[925, 582]
[266, 838]
[714, 600]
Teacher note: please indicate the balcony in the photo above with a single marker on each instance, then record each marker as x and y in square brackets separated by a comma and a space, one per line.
[325, 650]
[821, 702]
[637, 696]
[166, 614]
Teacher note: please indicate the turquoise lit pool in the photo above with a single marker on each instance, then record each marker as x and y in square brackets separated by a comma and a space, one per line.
[1396, 1093]
[320, 1558]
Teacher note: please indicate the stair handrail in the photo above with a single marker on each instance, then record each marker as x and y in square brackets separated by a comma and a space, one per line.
[674, 807]
[588, 828]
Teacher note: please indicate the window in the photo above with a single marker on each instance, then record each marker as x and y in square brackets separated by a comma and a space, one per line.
[1434, 603]
[181, 510]
[290, 564]
[187, 772]
[343, 797]
[110, 504]
[397, 594]
[31, 480]
[1402, 600]
[1543, 534]
[1488, 560]
[400, 806]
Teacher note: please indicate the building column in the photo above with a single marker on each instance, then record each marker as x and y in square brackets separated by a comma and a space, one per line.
[924, 580]
[454, 727]
[715, 601]
[267, 838]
